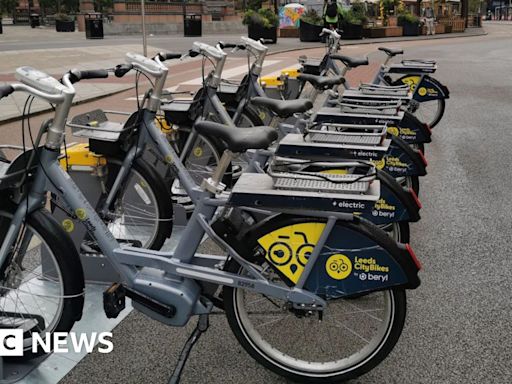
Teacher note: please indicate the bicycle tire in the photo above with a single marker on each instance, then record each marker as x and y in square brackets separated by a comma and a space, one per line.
[68, 262]
[259, 352]
[155, 183]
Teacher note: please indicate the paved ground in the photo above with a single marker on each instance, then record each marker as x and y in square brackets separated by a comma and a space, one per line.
[14, 38]
[457, 328]
[56, 53]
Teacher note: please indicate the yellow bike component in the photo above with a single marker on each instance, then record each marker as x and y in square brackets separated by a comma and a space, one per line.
[292, 73]
[271, 81]
[288, 248]
[335, 172]
[411, 81]
[80, 155]
[161, 123]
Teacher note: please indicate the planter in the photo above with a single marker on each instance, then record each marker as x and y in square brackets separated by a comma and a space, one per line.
[257, 32]
[309, 32]
[289, 32]
[392, 21]
[447, 28]
[410, 29]
[383, 32]
[352, 31]
[64, 26]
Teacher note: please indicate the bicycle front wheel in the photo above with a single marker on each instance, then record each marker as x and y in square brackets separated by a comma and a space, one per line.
[141, 214]
[42, 282]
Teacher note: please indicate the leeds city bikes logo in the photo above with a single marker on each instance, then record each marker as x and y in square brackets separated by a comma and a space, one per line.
[12, 342]
[338, 266]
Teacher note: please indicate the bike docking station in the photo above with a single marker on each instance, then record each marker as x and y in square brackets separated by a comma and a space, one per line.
[86, 165]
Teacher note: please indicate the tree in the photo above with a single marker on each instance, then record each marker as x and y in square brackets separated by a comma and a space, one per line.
[8, 7]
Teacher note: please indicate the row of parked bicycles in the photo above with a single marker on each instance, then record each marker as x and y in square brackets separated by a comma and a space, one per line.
[310, 194]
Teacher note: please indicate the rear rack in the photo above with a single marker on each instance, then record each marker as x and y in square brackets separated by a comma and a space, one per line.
[259, 190]
[288, 177]
[391, 91]
[95, 125]
[419, 62]
[348, 134]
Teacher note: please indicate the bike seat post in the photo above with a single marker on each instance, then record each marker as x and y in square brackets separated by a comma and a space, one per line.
[214, 184]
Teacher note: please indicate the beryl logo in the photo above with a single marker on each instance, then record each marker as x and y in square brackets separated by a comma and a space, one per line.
[11, 342]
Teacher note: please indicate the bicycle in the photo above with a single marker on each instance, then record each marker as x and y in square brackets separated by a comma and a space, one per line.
[170, 287]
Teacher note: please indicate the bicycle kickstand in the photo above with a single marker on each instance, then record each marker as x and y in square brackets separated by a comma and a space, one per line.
[201, 327]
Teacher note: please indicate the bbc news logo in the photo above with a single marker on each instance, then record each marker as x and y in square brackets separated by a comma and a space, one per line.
[11, 342]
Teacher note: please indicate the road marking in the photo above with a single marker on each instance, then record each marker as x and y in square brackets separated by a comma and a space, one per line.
[230, 73]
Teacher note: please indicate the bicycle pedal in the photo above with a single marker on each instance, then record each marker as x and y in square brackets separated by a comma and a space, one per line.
[114, 300]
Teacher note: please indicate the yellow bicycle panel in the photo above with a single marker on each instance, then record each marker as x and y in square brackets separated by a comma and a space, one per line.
[412, 82]
[80, 155]
[288, 248]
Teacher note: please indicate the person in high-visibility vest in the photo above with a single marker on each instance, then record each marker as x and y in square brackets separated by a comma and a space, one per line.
[332, 13]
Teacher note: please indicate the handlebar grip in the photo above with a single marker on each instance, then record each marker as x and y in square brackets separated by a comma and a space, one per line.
[76, 76]
[122, 69]
[193, 53]
[5, 90]
[168, 56]
[94, 74]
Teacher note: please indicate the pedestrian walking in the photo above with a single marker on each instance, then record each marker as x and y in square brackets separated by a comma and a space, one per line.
[332, 14]
[428, 15]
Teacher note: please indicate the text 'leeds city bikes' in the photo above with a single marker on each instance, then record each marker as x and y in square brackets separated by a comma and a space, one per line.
[310, 193]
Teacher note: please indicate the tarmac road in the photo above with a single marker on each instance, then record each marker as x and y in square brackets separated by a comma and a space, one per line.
[458, 322]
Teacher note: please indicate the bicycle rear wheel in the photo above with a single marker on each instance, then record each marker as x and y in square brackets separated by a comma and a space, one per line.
[42, 283]
[353, 337]
[430, 112]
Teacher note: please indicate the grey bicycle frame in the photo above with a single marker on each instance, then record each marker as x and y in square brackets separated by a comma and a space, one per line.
[176, 268]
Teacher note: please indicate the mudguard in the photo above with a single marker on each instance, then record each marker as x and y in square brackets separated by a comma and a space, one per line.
[424, 88]
[356, 258]
[401, 160]
[412, 130]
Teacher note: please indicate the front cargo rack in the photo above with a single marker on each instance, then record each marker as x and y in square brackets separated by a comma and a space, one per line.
[96, 125]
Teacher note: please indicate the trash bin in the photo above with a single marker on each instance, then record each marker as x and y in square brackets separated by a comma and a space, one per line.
[1, 28]
[93, 26]
[34, 20]
[193, 25]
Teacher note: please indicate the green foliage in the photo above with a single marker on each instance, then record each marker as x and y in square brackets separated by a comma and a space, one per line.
[264, 17]
[390, 6]
[408, 17]
[355, 15]
[312, 17]
[254, 4]
[63, 17]
[8, 6]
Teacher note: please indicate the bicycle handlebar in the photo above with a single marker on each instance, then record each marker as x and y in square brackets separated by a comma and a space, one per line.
[163, 56]
[334, 33]
[76, 75]
[208, 50]
[224, 45]
[6, 90]
[122, 69]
